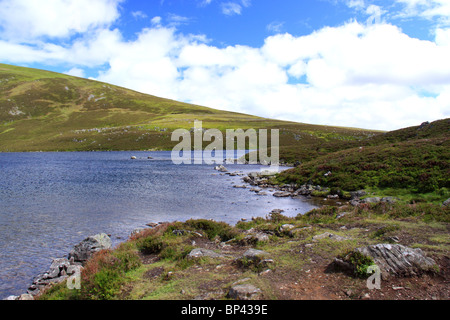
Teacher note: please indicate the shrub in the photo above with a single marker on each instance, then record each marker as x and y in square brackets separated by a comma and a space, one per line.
[150, 244]
[212, 229]
[358, 261]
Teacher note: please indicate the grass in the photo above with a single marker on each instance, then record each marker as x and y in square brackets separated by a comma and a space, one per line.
[47, 111]
[125, 273]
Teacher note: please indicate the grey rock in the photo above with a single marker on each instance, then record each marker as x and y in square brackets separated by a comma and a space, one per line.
[11, 298]
[201, 252]
[254, 254]
[281, 194]
[357, 194]
[388, 199]
[286, 227]
[255, 235]
[398, 260]
[86, 248]
[244, 292]
[446, 202]
[371, 200]
[26, 296]
[221, 168]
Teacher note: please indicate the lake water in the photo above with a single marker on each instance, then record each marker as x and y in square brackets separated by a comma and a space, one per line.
[51, 201]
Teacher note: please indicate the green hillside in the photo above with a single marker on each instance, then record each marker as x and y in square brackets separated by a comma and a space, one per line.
[413, 160]
[47, 111]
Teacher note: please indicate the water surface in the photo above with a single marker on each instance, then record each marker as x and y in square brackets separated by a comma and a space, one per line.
[51, 201]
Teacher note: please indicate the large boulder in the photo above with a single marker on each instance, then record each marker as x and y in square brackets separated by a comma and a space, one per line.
[86, 248]
[202, 252]
[398, 260]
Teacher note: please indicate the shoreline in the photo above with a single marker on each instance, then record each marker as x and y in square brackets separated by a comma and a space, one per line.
[259, 181]
[120, 240]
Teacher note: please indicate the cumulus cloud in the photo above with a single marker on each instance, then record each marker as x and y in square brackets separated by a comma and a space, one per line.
[359, 75]
[23, 20]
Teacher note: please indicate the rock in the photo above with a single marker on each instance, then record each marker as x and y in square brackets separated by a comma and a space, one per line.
[86, 248]
[281, 194]
[254, 255]
[152, 224]
[244, 292]
[26, 296]
[398, 260]
[58, 266]
[221, 168]
[276, 211]
[357, 194]
[328, 235]
[389, 199]
[371, 200]
[255, 236]
[286, 227]
[201, 252]
[446, 202]
[133, 158]
[240, 186]
[11, 298]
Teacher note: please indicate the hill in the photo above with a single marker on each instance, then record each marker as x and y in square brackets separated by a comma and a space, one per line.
[413, 160]
[47, 111]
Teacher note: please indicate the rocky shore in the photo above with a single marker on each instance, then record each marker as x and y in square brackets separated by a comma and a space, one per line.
[68, 268]
[264, 257]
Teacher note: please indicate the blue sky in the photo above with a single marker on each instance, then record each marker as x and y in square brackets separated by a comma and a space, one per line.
[378, 64]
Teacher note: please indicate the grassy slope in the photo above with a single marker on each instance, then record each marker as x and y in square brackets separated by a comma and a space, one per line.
[415, 159]
[153, 265]
[46, 111]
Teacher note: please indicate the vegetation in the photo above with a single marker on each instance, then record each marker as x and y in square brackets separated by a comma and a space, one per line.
[133, 271]
[47, 111]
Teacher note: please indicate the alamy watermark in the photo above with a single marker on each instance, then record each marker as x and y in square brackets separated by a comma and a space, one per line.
[374, 281]
[222, 149]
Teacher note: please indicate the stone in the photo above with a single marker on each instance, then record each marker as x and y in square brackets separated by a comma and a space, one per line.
[281, 194]
[221, 168]
[254, 254]
[26, 296]
[57, 266]
[398, 260]
[286, 227]
[446, 202]
[11, 298]
[86, 248]
[244, 292]
[371, 200]
[254, 235]
[201, 252]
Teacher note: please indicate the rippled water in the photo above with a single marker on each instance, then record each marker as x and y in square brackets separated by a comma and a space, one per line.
[51, 201]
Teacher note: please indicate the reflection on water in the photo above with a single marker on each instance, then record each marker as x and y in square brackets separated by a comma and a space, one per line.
[51, 201]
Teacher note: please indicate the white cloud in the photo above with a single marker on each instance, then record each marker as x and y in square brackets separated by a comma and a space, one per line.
[139, 15]
[76, 72]
[275, 26]
[437, 10]
[231, 8]
[23, 20]
[351, 75]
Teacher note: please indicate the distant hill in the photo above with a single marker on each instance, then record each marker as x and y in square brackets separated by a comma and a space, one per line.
[47, 111]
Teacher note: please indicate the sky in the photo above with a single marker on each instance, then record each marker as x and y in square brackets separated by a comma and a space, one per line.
[374, 64]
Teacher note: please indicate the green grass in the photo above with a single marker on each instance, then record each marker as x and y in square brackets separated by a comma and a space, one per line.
[47, 111]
